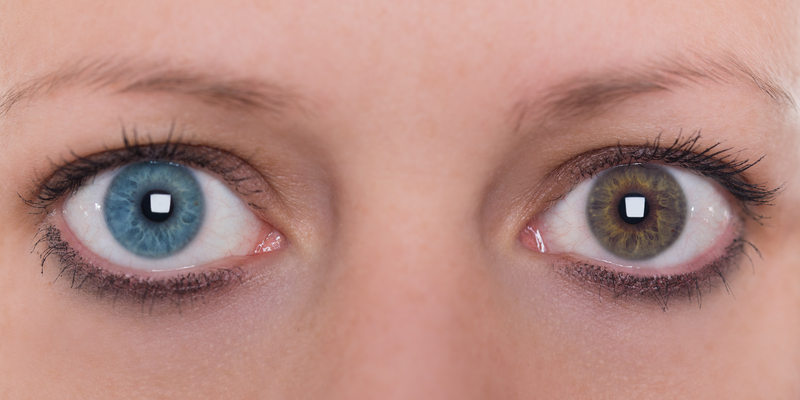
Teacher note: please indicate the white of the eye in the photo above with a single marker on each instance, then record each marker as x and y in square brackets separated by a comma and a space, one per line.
[159, 203]
[564, 227]
[634, 207]
[229, 226]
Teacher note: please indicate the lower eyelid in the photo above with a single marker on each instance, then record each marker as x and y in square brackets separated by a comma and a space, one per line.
[244, 195]
[83, 255]
[734, 233]
[564, 228]
[713, 256]
[78, 269]
[229, 229]
[534, 236]
[662, 290]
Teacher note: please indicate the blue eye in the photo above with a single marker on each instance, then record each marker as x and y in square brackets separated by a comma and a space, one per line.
[154, 209]
[163, 217]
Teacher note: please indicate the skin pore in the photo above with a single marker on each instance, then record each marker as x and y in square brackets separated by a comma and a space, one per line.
[401, 149]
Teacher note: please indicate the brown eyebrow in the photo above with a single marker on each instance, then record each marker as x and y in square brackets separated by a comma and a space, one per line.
[243, 94]
[587, 96]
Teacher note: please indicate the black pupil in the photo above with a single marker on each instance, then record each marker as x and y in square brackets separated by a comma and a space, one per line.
[630, 208]
[153, 205]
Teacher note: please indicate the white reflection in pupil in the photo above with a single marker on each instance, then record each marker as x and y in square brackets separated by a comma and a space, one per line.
[157, 205]
[634, 207]
[160, 203]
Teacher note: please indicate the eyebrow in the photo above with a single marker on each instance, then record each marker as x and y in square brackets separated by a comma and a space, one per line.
[240, 94]
[587, 96]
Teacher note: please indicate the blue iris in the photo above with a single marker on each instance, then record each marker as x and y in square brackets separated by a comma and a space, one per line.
[135, 208]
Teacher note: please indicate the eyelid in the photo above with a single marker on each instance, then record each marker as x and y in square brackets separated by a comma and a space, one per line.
[85, 209]
[712, 162]
[565, 227]
[101, 277]
[722, 165]
[66, 177]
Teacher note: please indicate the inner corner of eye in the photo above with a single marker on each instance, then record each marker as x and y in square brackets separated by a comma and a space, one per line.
[644, 215]
[161, 216]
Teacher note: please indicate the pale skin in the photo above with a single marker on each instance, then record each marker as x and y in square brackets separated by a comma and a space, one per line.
[413, 144]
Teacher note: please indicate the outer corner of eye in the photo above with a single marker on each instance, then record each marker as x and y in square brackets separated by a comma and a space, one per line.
[162, 216]
[646, 217]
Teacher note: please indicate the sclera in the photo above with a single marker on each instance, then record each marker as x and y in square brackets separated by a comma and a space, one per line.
[229, 227]
[564, 229]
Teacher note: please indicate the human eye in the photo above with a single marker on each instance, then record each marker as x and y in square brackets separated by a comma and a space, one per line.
[153, 222]
[651, 222]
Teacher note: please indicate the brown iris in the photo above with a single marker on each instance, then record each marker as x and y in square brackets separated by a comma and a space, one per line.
[648, 222]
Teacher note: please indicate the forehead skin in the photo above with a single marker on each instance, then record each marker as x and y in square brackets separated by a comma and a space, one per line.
[412, 106]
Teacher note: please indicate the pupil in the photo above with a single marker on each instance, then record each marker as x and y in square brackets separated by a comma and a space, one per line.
[633, 208]
[157, 205]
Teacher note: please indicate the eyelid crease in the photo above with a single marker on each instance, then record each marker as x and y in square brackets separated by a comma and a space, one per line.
[717, 163]
[68, 176]
[722, 165]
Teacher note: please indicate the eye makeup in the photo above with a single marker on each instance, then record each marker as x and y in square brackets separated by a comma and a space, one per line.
[70, 175]
[80, 268]
[79, 273]
[641, 278]
[659, 289]
[82, 272]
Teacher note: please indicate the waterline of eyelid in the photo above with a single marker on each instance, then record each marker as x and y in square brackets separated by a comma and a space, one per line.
[662, 289]
[719, 249]
[82, 274]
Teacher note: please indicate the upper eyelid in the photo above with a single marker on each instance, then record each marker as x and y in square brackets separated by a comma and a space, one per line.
[721, 164]
[50, 193]
[729, 166]
[68, 176]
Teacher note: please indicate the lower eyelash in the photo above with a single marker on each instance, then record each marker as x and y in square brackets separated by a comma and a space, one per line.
[658, 289]
[148, 292]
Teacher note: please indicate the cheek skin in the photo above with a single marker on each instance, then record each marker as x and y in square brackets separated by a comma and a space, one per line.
[594, 345]
[113, 352]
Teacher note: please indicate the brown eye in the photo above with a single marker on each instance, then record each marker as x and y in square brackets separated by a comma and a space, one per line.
[641, 217]
[636, 211]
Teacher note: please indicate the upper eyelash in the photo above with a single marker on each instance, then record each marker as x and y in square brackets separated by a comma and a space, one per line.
[714, 162]
[71, 175]
[719, 164]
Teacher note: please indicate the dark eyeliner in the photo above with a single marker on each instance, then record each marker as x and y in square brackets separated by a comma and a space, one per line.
[79, 273]
[148, 292]
[719, 164]
[68, 176]
[715, 162]
[660, 290]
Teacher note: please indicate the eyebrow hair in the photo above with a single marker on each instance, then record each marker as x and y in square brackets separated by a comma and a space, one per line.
[243, 94]
[588, 96]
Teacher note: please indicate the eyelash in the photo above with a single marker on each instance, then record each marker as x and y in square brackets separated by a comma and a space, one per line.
[658, 289]
[176, 290]
[716, 163]
[71, 175]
